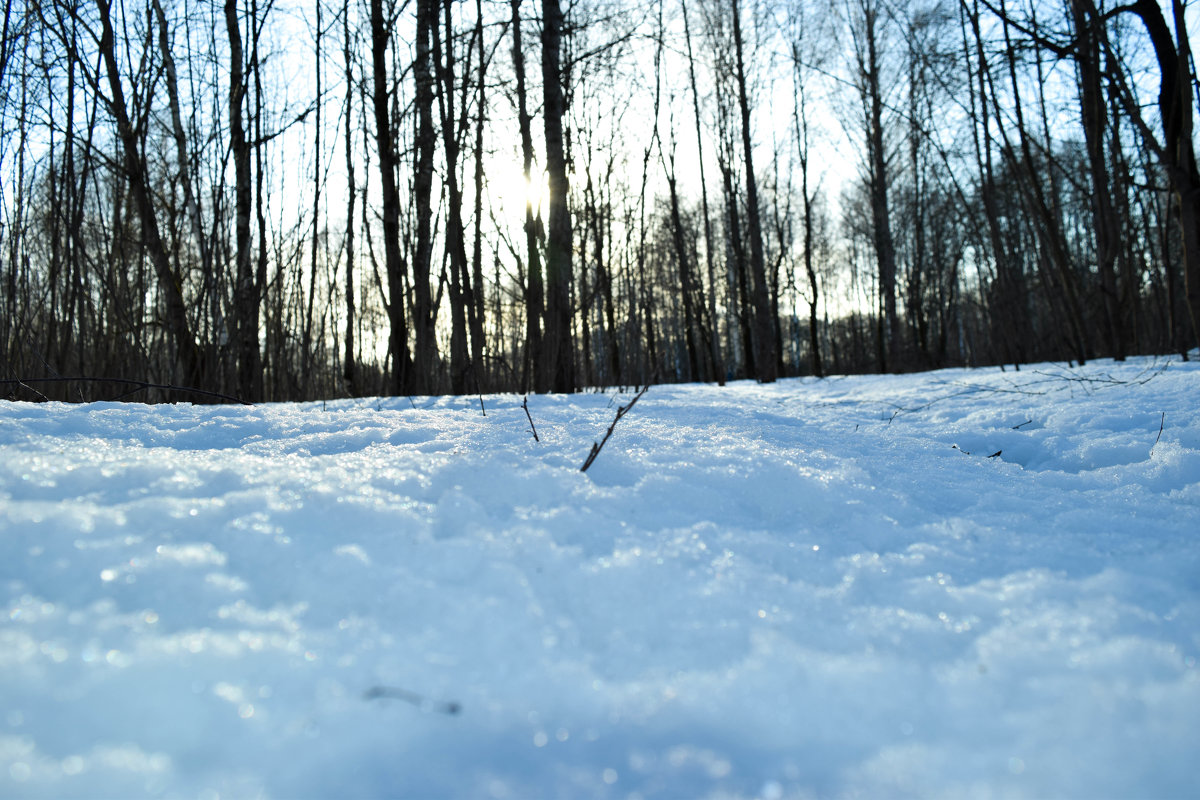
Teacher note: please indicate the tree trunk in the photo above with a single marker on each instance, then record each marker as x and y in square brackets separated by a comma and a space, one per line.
[190, 359]
[476, 310]
[534, 290]
[1177, 151]
[349, 371]
[765, 357]
[1095, 124]
[800, 118]
[716, 366]
[558, 344]
[401, 377]
[885, 248]
[455, 231]
[425, 311]
[245, 293]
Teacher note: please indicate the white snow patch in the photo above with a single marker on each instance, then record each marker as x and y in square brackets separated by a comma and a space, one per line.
[962, 584]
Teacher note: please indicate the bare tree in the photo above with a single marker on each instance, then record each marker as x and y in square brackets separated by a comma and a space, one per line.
[169, 283]
[765, 357]
[865, 33]
[402, 378]
[534, 292]
[558, 345]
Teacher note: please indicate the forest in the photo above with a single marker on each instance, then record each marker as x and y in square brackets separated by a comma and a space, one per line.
[273, 200]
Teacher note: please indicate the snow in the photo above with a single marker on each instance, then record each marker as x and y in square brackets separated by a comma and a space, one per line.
[817, 588]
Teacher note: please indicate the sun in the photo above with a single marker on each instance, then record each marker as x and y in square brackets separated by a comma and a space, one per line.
[513, 193]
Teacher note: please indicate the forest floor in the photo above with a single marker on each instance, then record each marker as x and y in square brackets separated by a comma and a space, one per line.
[963, 583]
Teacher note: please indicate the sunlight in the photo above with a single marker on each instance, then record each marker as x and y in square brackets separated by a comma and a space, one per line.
[513, 192]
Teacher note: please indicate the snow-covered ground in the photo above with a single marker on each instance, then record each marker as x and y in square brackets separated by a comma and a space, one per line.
[811, 589]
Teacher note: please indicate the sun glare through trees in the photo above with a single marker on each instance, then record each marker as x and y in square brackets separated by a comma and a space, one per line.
[293, 200]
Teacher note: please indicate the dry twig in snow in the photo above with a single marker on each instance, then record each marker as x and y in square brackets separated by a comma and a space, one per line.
[598, 446]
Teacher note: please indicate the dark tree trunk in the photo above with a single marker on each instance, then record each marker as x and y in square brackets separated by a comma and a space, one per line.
[1095, 124]
[885, 247]
[349, 371]
[245, 293]
[401, 378]
[169, 283]
[763, 328]
[476, 309]
[534, 290]
[455, 229]
[716, 365]
[558, 345]
[424, 309]
[1177, 151]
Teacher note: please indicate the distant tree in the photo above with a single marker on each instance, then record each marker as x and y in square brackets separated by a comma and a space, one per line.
[866, 25]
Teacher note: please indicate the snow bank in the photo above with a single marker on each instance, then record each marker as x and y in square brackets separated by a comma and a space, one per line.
[957, 584]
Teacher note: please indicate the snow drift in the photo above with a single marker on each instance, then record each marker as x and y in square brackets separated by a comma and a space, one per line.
[958, 584]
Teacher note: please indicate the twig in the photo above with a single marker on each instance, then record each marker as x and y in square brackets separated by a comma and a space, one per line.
[532, 428]
[1044, 383]
[450, 707]
[1162, 422]
[968, 452]
[598, 446]
[478, 391]
[1022, 425]
[138, 387]
[41, 397]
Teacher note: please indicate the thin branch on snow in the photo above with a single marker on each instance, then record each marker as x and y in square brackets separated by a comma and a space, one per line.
[138, 386]
[1161, 423]
[420, 701]
[532, 428]
[968, 452]
[598, 446]
[1043, 383]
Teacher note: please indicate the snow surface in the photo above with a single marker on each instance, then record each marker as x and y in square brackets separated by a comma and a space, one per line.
[809, 589]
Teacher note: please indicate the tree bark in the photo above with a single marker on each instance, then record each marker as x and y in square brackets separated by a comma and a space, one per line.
[534, 289]
[885, 247]
[1095, 124]
[190, 359]
[349, 370]
[714, 340]
[424, 310]
[558, 344]
[476, 309]
[1177, 151]
[800, 118]
[245, 293]
[765, 357]
[455, 230]
[401, 377]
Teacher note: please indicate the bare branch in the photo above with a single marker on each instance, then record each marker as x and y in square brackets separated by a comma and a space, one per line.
[138, 386]
[450, 707]
[532, 428]
[621, 411]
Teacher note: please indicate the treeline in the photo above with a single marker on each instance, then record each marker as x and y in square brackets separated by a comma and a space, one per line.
[277, 201]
